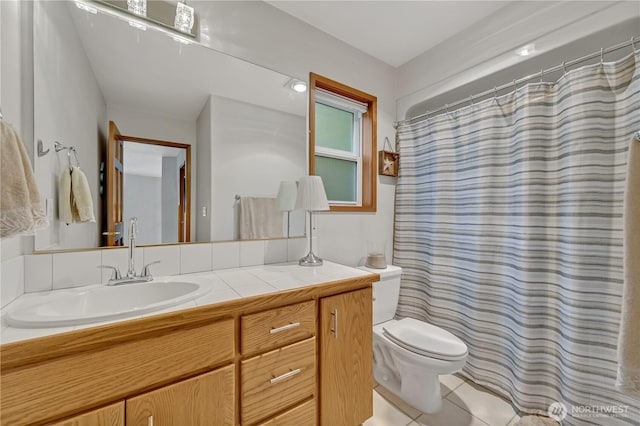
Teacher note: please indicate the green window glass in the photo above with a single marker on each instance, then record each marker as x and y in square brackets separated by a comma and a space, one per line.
[339, 177]
[334, 128]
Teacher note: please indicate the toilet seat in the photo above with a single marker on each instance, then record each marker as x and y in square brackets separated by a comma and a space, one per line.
[425, 339]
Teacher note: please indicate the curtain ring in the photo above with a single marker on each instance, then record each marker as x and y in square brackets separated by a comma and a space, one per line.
[515, 86]
[495, 93]
[601, 56]
[541, 74]
[564, 68]
[633, 43]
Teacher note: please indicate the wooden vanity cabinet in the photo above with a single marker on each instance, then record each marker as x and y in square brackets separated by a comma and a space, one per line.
[112, 415]
[346, 358]
[296, 358]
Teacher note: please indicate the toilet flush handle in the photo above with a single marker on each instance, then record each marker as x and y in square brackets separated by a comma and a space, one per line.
[335, 323]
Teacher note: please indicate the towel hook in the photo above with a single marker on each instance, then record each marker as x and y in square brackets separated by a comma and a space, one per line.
[41, 150]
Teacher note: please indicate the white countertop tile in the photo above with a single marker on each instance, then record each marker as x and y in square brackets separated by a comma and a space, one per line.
[224, 285]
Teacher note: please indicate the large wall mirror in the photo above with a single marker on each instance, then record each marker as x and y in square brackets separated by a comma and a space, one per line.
[243, 125]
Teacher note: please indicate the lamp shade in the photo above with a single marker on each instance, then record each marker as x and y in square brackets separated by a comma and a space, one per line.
[311, 194]
[286, 199]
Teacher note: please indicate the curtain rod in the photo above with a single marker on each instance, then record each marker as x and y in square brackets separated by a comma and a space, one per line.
[514, 83]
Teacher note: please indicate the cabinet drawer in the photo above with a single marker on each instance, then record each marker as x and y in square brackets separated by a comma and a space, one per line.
[277, 327]
[276, 380]
[303, 414]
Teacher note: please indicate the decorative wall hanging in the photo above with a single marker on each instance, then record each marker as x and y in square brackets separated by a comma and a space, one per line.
[388, 161]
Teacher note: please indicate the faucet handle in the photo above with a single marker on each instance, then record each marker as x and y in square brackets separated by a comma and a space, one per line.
[115, 275]
[145, 271]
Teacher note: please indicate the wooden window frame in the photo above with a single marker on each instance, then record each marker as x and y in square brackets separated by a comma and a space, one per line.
[368, 178]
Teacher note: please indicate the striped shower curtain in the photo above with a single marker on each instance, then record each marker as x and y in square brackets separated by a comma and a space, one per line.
[509, 232]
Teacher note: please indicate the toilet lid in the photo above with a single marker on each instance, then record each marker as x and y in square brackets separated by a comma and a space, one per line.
[425, 339]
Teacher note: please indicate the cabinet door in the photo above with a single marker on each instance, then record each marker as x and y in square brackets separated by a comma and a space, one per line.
[346, 376]
[205, 400]
[112, 415]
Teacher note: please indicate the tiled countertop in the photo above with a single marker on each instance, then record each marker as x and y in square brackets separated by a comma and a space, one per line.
[224, 285]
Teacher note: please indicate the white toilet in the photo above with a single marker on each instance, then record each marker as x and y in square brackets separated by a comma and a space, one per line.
[408, 354]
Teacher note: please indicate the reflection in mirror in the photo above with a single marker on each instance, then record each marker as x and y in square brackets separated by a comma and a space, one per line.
[244, 124]
[147, 179]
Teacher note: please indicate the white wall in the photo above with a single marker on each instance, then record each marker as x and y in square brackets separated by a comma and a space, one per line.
[132, 122]
[203, 191]
[258, 147]
[15, 91]
[69, 109]
[143, 195]
[170, 196]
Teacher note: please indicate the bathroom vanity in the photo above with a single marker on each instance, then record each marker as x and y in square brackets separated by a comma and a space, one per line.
[301, 356]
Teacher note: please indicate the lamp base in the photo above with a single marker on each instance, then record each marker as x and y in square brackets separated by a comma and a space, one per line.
[310, 260]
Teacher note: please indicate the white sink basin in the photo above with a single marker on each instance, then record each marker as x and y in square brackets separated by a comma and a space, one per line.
[104, 303]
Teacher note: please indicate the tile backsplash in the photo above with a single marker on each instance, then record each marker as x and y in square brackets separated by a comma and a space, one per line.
[43, 272]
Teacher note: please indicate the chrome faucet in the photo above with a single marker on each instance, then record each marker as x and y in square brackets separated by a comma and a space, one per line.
[131, 277]
[133, 232]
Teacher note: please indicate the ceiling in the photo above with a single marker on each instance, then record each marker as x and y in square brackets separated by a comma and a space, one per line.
[392, 31]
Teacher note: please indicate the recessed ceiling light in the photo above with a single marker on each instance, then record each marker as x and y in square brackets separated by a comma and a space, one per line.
[526, 50]
[297, 85]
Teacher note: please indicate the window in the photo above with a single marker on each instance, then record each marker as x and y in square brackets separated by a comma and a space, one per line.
[342, 143]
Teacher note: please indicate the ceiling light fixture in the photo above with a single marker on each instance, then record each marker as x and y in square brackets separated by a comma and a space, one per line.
[86, 7]
[138, 25]
[526, 50]
[184, 17]
[139, 7]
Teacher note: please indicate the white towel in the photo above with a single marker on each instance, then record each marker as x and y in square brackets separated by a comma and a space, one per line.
[629, 340]
[82, 201]
[65, 209]
[20, 206]
[75, 204]
[260, 218]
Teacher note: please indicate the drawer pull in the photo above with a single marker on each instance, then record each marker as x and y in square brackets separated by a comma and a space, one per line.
[335, 323]
[286, 375]
[284, 328]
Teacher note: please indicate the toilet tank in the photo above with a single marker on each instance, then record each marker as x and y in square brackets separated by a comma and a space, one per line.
[385, 292]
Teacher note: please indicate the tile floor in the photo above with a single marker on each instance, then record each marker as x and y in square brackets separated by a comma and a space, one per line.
[464, 404]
